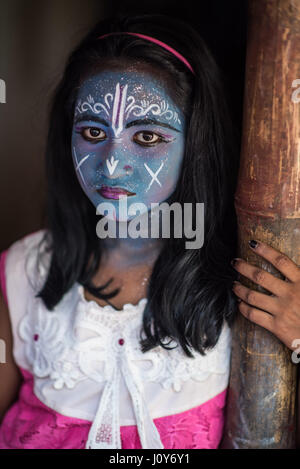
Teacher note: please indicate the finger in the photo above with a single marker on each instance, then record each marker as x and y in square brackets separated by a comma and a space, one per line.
[254, 298]
[257, 316]
[261, 277]
[283, 263]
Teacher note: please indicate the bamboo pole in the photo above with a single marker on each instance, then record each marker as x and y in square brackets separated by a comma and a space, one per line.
[261, 400]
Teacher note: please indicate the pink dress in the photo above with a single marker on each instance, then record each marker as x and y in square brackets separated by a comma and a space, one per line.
[87, 384]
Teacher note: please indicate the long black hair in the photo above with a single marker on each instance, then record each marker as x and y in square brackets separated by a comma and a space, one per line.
[189, 292]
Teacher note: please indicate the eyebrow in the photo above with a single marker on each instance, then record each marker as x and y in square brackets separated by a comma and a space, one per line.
[150, 121]
[90, 117]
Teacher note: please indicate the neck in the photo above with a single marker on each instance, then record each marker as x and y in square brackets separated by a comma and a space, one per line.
[122, 250]
[124, 253]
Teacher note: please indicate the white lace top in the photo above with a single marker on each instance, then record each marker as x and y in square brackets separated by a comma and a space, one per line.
[87, 363]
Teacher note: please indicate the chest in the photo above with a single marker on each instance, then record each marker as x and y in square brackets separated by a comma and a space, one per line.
[131, 283]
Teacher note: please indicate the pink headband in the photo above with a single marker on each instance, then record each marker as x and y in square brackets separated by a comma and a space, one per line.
[156, 41]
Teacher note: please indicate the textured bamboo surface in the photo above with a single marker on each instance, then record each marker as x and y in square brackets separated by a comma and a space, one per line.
[261, 402]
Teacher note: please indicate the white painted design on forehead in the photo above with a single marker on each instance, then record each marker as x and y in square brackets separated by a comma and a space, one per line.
[95, 107]
[123, 106]
[161, 109]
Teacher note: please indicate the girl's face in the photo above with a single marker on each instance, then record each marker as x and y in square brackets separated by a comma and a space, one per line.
[127, 138]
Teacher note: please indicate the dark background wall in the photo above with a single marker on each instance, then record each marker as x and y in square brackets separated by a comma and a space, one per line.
[36, 36]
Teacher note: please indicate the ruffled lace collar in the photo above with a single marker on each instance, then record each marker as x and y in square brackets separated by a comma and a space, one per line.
[127, 307]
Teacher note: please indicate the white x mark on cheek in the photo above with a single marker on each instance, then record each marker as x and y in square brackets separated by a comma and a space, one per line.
[80, 163]
[153, 175]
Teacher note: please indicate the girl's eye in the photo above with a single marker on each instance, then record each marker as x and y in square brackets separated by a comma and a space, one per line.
[147, 138]
[93, 134]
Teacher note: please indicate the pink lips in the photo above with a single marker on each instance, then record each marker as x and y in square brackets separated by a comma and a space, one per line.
[109, 192]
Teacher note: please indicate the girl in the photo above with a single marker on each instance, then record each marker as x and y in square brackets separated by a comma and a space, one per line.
[124, 342]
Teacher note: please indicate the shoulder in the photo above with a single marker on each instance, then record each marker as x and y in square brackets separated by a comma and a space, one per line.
[23, 272]
[24, 260]
[21, 279]
[19, 248]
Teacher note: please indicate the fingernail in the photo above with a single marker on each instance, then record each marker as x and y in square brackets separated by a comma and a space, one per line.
[253, 243]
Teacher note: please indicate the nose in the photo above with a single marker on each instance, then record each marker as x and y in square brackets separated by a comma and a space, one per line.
[114, 167]
[114, 162]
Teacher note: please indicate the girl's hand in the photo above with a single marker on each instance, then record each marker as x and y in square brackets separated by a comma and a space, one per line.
[280, 312]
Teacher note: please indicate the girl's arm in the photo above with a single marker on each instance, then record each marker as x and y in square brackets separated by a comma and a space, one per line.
[10, 375]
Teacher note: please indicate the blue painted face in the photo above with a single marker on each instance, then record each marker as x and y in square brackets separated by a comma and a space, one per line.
[127, 138]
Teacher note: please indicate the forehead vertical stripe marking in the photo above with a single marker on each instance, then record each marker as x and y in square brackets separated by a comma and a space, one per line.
[115, 107]
[118, 109]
